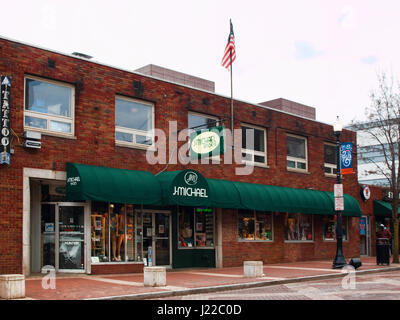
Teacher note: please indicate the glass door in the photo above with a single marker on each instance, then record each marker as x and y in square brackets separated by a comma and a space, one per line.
[161, 239]
[156, 238]
[364, 235]
[71, 240]
[48, 236]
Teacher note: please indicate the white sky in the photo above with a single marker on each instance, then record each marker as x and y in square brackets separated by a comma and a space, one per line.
[321, 53]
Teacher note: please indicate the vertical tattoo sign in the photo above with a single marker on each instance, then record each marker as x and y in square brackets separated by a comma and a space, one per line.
[5, 120]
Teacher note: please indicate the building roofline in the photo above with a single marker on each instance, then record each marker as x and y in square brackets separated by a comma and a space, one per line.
[155, 78]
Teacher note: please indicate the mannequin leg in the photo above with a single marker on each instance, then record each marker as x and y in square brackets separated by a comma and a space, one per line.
[120, 239]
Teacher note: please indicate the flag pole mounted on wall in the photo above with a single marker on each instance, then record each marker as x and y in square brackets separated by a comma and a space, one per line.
[228, 58]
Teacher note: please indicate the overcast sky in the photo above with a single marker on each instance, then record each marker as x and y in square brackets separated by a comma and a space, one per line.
[322, 53]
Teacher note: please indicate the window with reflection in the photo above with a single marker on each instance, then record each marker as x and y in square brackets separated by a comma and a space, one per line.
[296, 152]
[255, 225]
[196, 227]
[134, 122]
[298, 227]
[329, 228]
[49, 106]
[116, 233]
[254, 144]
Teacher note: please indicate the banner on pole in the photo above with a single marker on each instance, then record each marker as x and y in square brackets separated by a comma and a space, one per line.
[346, 157]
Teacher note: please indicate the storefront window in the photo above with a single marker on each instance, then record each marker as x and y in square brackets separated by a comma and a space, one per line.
[116, 232]
[100, 237]
[255, 225]
[330, 228]
[298, 227]
[196, 227]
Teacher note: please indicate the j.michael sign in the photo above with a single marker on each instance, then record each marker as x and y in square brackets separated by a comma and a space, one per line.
[186, 188]
[207, 143]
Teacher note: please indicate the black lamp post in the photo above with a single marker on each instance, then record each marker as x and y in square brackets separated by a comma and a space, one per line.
[339, 261]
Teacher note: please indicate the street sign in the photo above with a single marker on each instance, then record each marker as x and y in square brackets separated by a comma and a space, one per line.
[339, 204]
[338, 190]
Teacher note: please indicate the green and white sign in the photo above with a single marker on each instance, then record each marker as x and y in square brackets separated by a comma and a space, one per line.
[207, 143]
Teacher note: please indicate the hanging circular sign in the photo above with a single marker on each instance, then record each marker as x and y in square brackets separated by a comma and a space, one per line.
[366, 192]
[205, 142]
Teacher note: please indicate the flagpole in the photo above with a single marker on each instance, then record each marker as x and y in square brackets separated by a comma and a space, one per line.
[231, 101]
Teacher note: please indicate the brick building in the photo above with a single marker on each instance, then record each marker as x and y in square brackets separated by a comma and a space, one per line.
[89, 200]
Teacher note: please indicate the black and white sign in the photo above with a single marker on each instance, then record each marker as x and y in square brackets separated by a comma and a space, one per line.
[5, 129]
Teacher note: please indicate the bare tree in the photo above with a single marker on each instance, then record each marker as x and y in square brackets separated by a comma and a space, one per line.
[383, 131]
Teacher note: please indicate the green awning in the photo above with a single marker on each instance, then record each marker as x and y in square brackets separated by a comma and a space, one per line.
[190, 188]
[382, 208]
[224, 194]
[185, 188]
[292, 200]
[86, 182]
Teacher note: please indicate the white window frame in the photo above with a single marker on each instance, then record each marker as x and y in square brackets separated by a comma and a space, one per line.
[135, 132]
[44, 116]
[255, 227]
[329, 165]
[298, 160]
[253, 153]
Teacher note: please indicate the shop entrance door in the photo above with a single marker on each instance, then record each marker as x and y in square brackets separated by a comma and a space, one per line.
[63, 236]
[71, 240]
[157, 238]
[364, 236]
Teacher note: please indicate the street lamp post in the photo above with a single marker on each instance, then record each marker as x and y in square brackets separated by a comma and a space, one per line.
[339, 261]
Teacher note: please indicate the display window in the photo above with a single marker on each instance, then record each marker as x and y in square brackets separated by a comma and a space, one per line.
[329, 229]
[196, 228]
[298, 227]
[114, 235]
[99, 231]
[255, 225]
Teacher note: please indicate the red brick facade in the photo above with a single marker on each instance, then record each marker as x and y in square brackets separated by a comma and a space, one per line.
[95, 89]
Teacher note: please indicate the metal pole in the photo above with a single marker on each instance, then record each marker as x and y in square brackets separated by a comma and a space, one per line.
[340, 260]
[231, 101]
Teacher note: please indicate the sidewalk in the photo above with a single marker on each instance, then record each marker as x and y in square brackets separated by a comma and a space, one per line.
[183, 282]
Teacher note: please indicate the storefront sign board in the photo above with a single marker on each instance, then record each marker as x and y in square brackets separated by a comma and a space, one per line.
[207, 143]
[5, 128]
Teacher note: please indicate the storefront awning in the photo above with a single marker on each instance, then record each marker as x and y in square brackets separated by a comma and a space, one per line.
[185, 188]
[292, 200]
[86, 182]
[190, 188]
[382, 208]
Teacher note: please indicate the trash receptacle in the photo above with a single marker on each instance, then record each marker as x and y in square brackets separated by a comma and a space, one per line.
[382, 251]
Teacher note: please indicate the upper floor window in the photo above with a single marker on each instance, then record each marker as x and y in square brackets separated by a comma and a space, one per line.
[134, 122]
[198, 121]
[254, 144]
[296, 152]
[49, 106]
[330, 159]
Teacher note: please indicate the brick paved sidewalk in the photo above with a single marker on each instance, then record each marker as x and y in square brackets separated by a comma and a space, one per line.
[182, 282]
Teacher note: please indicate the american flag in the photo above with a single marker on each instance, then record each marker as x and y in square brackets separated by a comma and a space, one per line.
[230, 47]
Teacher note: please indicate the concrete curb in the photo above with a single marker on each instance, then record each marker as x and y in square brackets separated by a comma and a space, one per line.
[247, 285]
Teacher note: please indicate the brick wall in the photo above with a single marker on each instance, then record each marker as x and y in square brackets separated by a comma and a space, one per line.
[96, 87]
[276, 251]
[117, 268]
